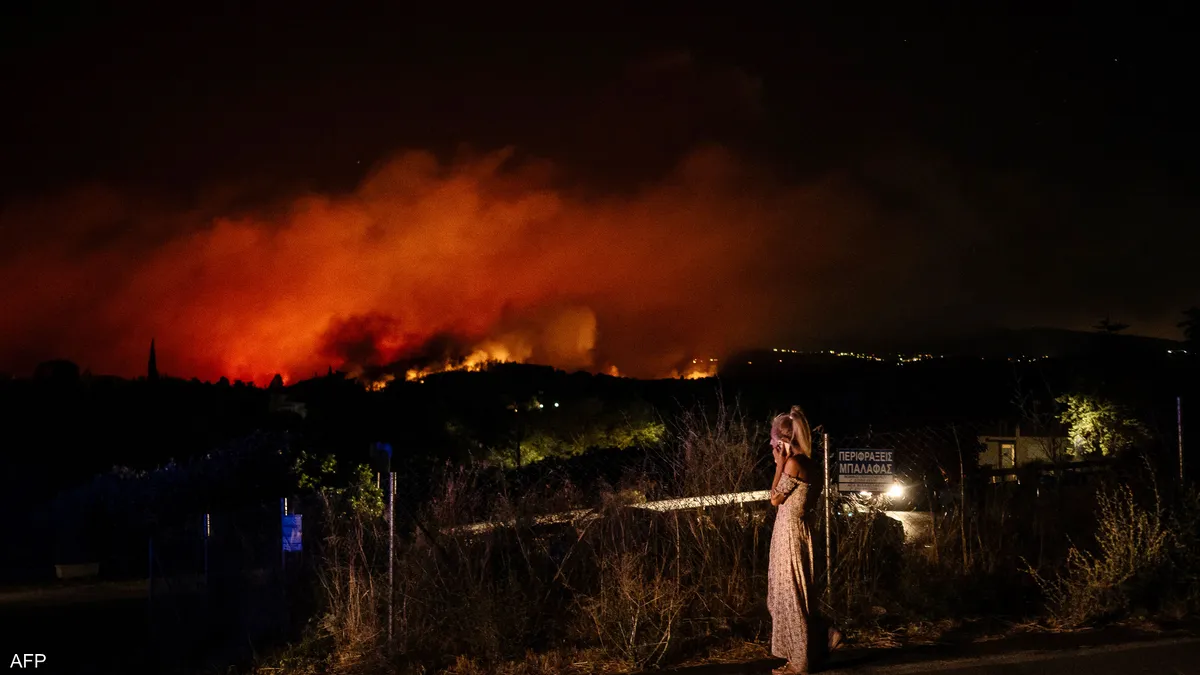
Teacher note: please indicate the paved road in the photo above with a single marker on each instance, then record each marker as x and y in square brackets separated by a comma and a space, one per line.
[81, 630]
[1166, 656]
[1163, 657]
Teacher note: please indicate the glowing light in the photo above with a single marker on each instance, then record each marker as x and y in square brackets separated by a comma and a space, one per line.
[556, 404]
[896, 491]
[864, 493]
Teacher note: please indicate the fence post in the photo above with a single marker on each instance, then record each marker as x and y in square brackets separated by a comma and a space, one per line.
[206, 535]
[391, 525]
[1179, 427]
[828, 503]
[282, 551]
[150, 580]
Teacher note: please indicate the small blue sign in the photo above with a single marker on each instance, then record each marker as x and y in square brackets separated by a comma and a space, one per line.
[292, 533]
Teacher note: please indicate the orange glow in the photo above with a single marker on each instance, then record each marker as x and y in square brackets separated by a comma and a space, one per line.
[381, 383]
[424, 263]
[700, 371]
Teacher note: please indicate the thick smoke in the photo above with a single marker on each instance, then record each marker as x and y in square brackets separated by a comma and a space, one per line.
[488, 257]
[478, 254]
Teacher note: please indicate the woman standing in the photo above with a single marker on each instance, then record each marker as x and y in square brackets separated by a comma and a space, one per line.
[790, 575]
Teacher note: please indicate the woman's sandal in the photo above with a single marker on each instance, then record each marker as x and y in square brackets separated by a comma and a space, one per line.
[835, 639]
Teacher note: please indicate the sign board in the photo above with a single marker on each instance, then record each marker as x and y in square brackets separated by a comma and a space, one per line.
[292, 531]
[381, 457]
[864, 470]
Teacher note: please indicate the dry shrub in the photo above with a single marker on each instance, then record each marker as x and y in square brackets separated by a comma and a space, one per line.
[1134, 544]
[349, 586]
[1185, 523]
[489, 595]
[557, 662]
[716, 452]
[635, 615]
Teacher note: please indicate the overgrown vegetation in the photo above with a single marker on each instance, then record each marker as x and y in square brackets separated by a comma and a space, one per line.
[1143, 563]
[609, 586]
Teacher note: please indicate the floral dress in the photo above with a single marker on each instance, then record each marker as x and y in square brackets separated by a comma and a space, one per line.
[791, 577]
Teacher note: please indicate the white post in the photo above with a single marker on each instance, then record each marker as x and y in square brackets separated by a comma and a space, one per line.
[391, 525]
[1179, 428]
[828, 504]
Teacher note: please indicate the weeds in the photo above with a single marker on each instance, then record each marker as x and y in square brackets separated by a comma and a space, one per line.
[609, 587]
[1134, 545]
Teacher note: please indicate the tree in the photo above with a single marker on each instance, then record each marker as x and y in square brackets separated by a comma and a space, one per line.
[1099, 426]
[1041, 414]
[1191, 325]
[152, 364]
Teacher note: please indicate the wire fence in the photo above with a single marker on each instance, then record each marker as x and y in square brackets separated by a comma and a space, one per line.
[220, 586]
[475, 568]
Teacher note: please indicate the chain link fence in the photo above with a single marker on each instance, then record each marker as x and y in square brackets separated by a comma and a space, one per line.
[671, 553]
[221, 587]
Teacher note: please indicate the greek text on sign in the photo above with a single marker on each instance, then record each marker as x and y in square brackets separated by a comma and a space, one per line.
[859, 468]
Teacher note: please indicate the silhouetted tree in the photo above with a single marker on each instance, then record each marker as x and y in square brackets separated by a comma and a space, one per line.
[276, 382]
[152, 367]
[1041, 414]
[61, 370]
[1191, 325]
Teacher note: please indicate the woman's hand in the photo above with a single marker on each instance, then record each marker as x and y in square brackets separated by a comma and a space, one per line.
[780, 454]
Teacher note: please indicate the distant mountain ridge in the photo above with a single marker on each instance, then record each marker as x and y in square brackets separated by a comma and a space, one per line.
[1005, 342]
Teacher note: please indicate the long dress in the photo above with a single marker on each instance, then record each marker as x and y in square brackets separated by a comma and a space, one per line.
[791, 577]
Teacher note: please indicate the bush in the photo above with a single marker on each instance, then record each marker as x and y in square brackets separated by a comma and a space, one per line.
[635, 615]
[1134, 546]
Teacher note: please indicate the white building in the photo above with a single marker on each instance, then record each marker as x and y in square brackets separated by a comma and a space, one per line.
[1011, 452]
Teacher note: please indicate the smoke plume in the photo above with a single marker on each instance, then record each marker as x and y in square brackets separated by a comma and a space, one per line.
[480, 255]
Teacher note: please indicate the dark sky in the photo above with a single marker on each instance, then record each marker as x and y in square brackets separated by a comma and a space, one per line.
[968, 170]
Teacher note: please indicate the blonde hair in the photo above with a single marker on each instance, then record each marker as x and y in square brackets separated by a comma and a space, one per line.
[791, 431]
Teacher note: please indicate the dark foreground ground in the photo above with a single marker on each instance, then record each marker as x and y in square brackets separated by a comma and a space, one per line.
[1170, 656]
[98, 629]
[1113, 651]
[82, 629]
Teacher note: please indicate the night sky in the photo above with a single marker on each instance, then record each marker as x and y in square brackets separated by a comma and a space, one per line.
[281, 191]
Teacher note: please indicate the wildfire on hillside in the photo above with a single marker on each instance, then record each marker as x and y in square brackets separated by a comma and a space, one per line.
[486, 255]
[701, 369]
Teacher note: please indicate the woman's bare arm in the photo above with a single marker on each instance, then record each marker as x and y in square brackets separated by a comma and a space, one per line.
[794, 468]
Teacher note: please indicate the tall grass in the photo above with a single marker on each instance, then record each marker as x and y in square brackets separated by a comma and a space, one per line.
[1145, 560]
[638, 588]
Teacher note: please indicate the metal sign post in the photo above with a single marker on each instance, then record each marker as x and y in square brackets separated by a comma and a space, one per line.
[1179, 427]
[391, 525]
[828, 505]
